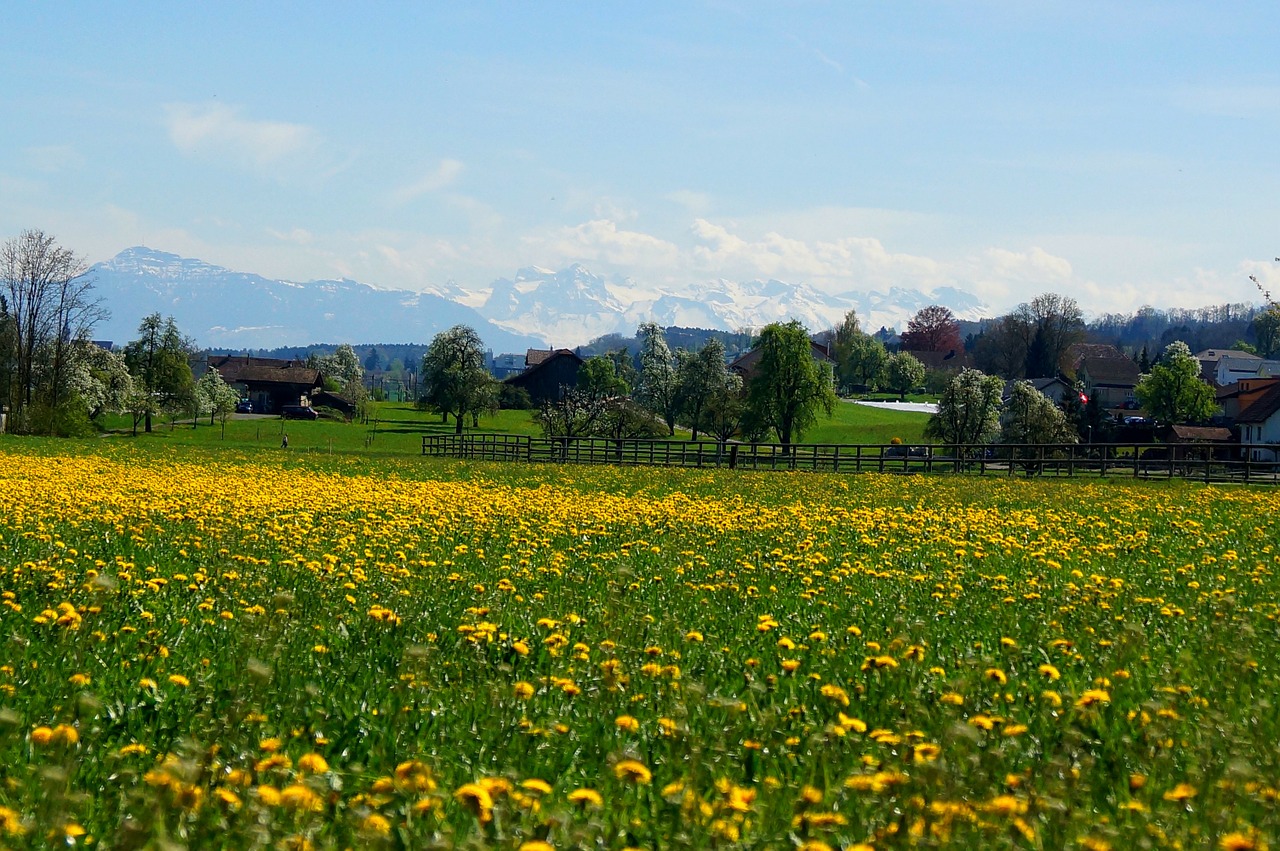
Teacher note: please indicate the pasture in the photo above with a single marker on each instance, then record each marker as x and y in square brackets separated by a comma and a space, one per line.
[251, 648]
[398, 428]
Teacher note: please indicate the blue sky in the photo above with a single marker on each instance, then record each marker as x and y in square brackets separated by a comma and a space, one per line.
[1122, 153]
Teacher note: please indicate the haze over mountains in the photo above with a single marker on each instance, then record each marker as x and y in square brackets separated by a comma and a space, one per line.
[222, 308]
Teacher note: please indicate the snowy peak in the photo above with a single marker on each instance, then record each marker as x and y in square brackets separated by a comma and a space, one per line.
[535, 307]
[575, 305]
[239, 310]
[147, 262]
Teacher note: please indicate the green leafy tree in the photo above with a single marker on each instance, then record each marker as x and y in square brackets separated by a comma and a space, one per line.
[788, 388]
[699, 376]
[159, 361]
[861, 362]
[1032, 417]
[725, 408]
[598, 378]
[1173, 393]
[968, 411]
[659, 389]
[903, 373]
[454, 379]
[1266, 331]
[625, 366]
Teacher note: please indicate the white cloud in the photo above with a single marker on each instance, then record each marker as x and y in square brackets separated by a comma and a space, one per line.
[841, 265]
[444, 174]
[601, 240]
[219, 130]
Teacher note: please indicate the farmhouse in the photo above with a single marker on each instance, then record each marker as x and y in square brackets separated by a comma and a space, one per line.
[548, 373]
[270, 383]
[1110, 380]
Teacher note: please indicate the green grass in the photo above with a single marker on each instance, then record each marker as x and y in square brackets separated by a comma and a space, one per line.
[855, 423]
[394, 429]
[398, 428]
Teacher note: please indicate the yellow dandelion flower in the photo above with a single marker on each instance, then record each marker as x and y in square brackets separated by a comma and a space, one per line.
[1091, 697]
[586, 798]
[476, 799]
[632, 771]
[375, 823]
[299, 797]
[1241, 841]
[312, 763]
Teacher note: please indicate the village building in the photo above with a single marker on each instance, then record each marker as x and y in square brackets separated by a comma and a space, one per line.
[548, 373]
[271, 384]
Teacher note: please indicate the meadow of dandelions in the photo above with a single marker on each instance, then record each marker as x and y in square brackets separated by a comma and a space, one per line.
[218, 649]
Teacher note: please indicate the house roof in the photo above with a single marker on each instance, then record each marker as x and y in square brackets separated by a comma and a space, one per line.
[1215, 355]
[939, 360]
[1078, 352]
[1201, 433]
[1250, 366]
[1109, 370]
[1041, 384]
[333, 400]
[235, 369]
[551, 357]
[1263, 408]
[533, 357]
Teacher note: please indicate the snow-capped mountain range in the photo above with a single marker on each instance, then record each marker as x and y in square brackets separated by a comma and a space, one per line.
[227, 309]
[575, 305]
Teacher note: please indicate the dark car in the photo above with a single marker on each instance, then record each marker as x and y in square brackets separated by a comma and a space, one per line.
[298, 412]
[244, 406]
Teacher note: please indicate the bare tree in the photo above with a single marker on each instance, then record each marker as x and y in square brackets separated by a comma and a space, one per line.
[50, 304]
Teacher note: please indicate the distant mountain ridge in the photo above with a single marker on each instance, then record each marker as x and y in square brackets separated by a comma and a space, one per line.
[220, 308]
[537, 307]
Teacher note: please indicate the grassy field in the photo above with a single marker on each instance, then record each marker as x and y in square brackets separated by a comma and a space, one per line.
[397, 429]
[862, 424]
[232, 648]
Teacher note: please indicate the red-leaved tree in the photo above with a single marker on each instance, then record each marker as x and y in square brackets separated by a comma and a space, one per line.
[933, 329]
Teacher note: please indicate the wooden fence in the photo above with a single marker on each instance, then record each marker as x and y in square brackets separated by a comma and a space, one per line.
[1217, 463]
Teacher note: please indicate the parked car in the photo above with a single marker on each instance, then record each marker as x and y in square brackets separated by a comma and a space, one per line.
[244, 406]
[299, 412]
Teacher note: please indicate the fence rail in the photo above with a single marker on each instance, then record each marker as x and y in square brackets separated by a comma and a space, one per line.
[1216, 463]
